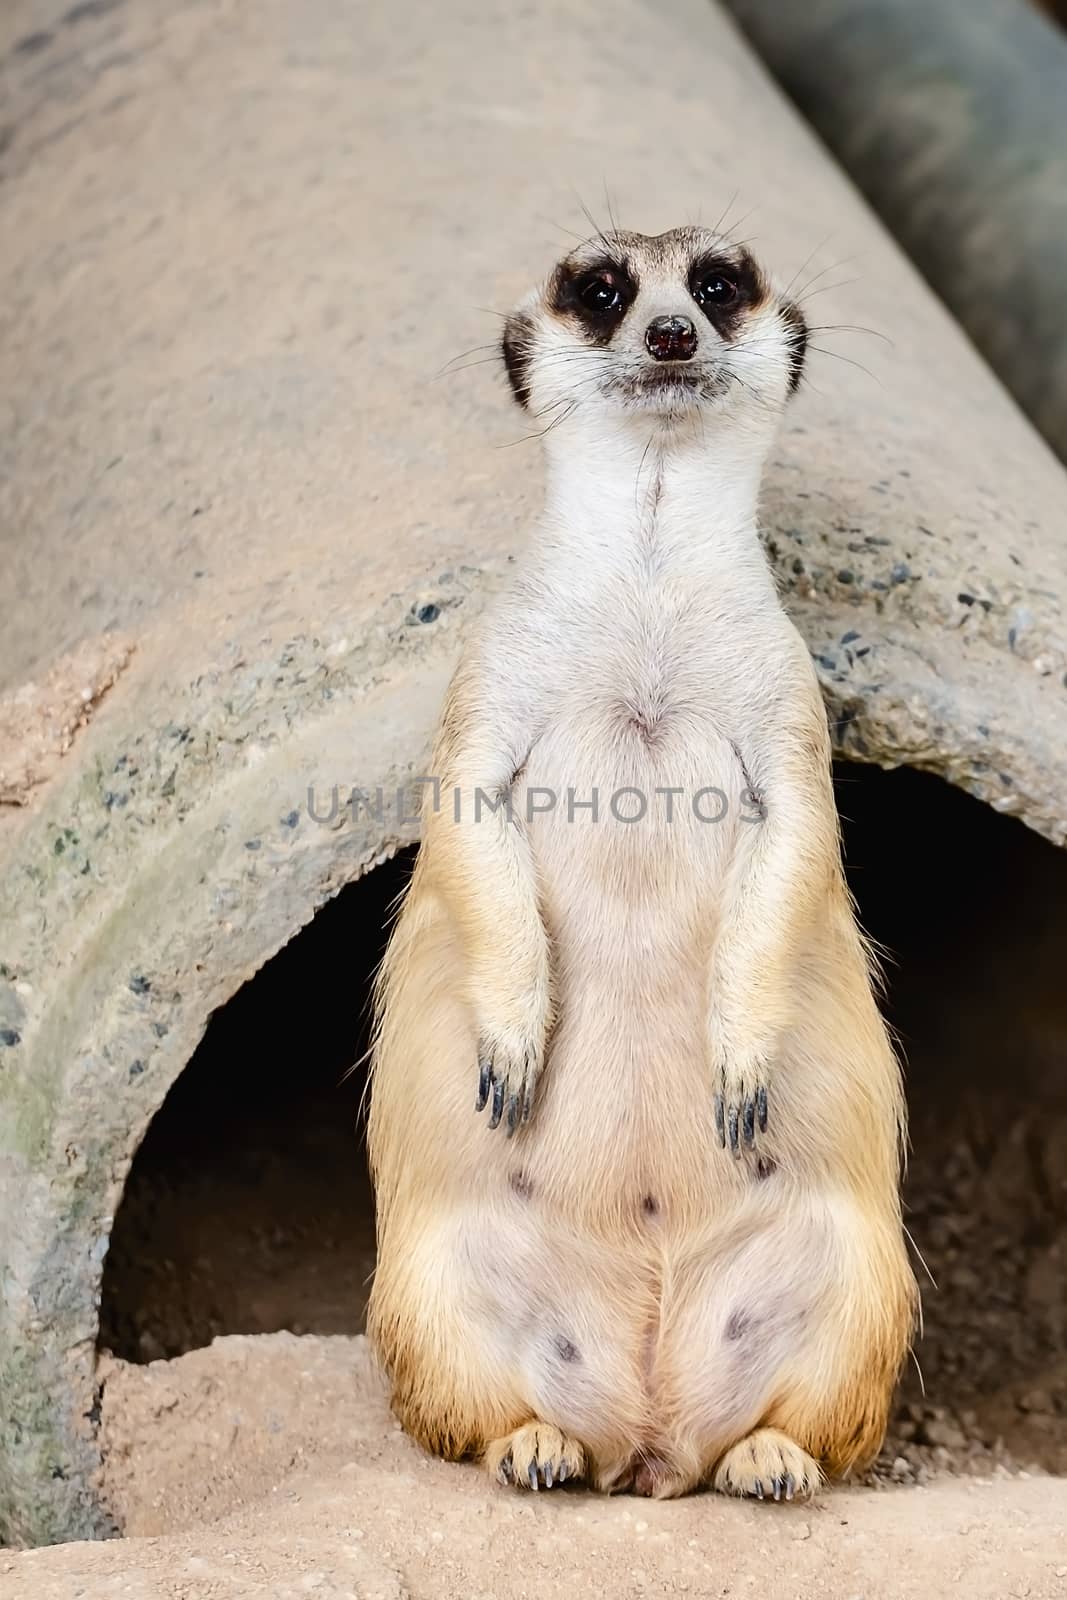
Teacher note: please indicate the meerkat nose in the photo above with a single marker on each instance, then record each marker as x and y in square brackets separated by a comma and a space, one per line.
[671, 339]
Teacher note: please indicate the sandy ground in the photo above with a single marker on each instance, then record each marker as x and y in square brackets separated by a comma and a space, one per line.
[271, 1466]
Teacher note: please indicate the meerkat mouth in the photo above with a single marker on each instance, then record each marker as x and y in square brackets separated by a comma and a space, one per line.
[667, 386]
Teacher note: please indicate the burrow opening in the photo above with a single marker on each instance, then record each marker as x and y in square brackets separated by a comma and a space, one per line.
[248, 1206]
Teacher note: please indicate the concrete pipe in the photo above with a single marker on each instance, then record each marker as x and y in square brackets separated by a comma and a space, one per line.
[950, 119]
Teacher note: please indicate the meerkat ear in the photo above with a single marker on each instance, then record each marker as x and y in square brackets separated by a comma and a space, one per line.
[516, 348]
[793, 318]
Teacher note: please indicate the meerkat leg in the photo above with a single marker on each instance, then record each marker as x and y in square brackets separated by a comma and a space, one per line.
[452, 1391]
[536, 1456]
[478, 861]
[484, 874]
[791, 868]
[768, 1465]
[782, 1342]
[842, 1423]
[478, 1363]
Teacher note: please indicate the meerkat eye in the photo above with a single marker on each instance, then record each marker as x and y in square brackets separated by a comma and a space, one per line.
[601, 295]
[714, 288]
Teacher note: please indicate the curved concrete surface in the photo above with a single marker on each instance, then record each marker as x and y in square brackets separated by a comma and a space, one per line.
[239, 243]
[951, 119]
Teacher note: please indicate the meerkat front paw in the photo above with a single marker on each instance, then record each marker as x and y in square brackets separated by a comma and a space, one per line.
[741, 1111]
[508, 1070]
[511, 1052]
[742, 1098]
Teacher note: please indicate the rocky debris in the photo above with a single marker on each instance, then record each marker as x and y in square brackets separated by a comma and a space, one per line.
[988, 1391]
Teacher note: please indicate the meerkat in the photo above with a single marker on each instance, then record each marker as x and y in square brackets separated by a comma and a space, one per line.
[636, 1122]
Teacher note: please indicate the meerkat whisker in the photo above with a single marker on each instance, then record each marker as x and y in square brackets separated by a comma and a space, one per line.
[852, 327]
[826, 288]
[835, 355]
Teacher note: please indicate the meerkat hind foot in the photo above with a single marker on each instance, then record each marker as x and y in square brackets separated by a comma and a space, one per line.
[768, 1465]
[536, 1456]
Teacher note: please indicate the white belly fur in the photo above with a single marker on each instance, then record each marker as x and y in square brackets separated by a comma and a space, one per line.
[630, 908]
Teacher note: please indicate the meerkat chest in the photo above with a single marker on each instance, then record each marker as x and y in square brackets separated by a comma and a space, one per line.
[635, 793]
[648, 677]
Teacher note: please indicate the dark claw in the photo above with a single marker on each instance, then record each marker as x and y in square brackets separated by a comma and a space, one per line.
[750, 1122]
[720, 1120]
[734, 1146]
[549, 1480]
[761, 1107]
[485, 1079]
[513, 1114]
[532, 1475]
[507, 1470]
[564, 1471]
[777, 1488]
[759, 1488]
[498, 1104]
[527, 1099]
[790, 1485]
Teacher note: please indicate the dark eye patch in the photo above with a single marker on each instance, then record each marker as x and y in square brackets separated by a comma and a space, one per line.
[597, 296]
[726, 289]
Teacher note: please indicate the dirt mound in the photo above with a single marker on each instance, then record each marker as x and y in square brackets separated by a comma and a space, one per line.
[188, 1441]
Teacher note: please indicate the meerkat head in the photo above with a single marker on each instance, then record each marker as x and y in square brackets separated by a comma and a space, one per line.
[682, 323]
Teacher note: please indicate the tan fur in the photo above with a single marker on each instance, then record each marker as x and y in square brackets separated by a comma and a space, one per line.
[611, 1281]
